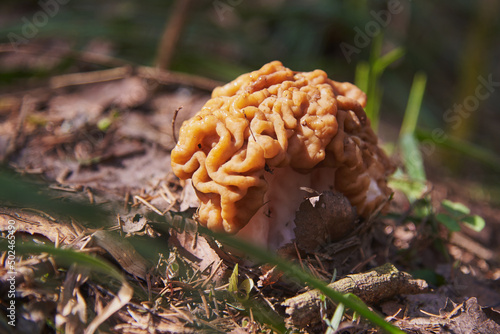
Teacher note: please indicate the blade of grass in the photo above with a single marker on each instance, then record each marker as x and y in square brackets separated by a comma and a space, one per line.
[362, 75]
[390, 57]
[297, 273]
[378, 68]
[18, 190]
[264, 314]
[334, 323]
[369, 75]
[408, 145]
[294, 272]
[412, 158]
[481, 154]
[414, 103]
[68, 257]
[375, 51]
[336, 319]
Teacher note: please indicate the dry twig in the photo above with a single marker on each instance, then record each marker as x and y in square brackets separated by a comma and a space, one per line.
[380, 283]
[172, 33]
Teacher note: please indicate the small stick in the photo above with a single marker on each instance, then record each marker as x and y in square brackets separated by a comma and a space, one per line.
[120, 224]
[76, 79]
[172, 33]
[363, 263]
[162, 194]
[70, 190]
[169, 207]
[298, 255]
[373, 286]
[149, 205]
[63, 175]
[205, 303]
[167, 192]
[90, 195]
[127, 198]
[212, 274]
[173, 123]
[176, 78]
[320, 263]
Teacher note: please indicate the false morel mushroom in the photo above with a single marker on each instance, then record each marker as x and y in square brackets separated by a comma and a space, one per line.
[263, 136]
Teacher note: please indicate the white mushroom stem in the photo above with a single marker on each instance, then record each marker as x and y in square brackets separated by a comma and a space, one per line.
[273, 225]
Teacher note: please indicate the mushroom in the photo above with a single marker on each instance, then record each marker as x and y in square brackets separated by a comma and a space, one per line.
[263, 136]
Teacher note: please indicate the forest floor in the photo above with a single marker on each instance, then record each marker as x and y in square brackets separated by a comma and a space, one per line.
[103, 137]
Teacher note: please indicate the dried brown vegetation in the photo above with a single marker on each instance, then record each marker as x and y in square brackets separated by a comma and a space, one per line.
[105, 138]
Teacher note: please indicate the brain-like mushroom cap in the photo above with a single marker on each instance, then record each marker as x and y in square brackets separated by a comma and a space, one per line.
[274, 118]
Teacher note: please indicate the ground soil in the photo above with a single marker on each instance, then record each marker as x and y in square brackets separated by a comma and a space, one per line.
[105, 137]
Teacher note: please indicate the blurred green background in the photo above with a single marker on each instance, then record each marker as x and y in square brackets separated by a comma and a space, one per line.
[455, 43]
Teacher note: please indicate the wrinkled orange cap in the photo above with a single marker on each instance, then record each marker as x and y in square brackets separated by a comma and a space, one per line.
[274, 118]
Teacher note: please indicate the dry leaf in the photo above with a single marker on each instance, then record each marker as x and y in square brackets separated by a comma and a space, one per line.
[123, 252]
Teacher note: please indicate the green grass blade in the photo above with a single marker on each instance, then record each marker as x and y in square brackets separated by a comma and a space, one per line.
[336, 319]
[481, 154]
[376, 50]
[233, 281]
[68, 257]
[368, 76]
[408, 145]
[362, 76]
[297, 273]
[383, 62]
[22, 191]
[412, 158]
[414, 103]
[294, 272]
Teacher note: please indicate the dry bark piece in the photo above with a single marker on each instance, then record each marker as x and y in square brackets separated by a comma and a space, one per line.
[376, 285]
[32, 222]
[268, 133]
